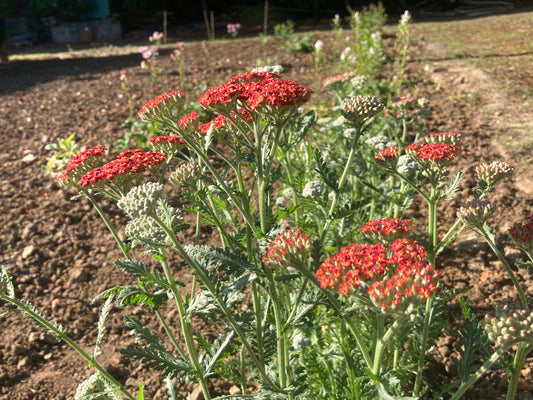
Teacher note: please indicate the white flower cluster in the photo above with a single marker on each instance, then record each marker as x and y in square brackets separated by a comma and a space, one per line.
[275, 69]
[379, 142]
[313, 189]
[407, 165]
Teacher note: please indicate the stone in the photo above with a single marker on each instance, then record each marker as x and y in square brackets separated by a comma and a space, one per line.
[27, 251]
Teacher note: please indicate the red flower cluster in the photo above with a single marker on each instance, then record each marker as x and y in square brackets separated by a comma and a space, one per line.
[387, 155]
[334, 80]
[399, 280]
[286, 246]
[169, 144]
[345, 270]
[163, 100]
[441, 153]
[189, 122]
[522, 234]
[127, 163]
[255, 90]
[387, 229]
[80, 164]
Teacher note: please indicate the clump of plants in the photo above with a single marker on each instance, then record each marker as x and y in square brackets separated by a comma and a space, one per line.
[319, 286]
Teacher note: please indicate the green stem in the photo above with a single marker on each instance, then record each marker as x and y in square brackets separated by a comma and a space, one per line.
[280, 336]
[379, 347]
[211, 288]
[521, 294]
[191, 142]
[340, 186]
[106, 220]
[185, 326]
[423, 346]
[432, 226]
[518, 362]
[170, 334]
[484, 368]
[26, 309]
[336, 305]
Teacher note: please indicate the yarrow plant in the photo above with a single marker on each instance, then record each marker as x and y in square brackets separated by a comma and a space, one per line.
[317, 286]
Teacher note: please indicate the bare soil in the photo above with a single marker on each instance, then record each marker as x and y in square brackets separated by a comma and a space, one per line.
[61, 256]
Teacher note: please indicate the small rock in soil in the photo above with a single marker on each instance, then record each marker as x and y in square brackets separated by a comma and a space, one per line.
[24, 363]
[78, 275]
[28, 251]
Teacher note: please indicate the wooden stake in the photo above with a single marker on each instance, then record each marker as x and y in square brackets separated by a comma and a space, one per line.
[206, 21]
[212, 25]
[165, 26]
[265, 20]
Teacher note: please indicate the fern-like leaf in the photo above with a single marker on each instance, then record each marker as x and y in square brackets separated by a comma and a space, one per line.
[473, 343]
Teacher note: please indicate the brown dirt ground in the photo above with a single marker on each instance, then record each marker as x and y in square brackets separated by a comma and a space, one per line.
[61, 256]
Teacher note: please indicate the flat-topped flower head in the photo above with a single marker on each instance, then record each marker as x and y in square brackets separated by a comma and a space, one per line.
[439, 152]
[492, 173]
[522, 234]
[222, 98]
[80, 164]
[187, 174]
[395, 278]
[168, 144]
[218, 125]
[273, 96]
[338, 82]
[476, 213]
[163, 107]
[359, 108]
[141, 200]
[444, 137]
[387, 156]
[263, 92]
[274, 69]
[407, 165]
[347, 269]
[512, 324]
[412, 281]
[287, 248]
[189, 122]
[433, 157]
[123, 171]
[387, 230]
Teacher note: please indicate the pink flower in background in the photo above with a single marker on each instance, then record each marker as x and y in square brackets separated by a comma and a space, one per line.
[156, 36]
[233, 29]
[148, 53]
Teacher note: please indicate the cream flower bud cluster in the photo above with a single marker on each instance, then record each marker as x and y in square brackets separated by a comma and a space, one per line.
[407, 165]
[145, 227]
[494, 172]
[141, 200]
[476, 212]
[186, 174]
[511, 325]
[358, 108]
[144, 205]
